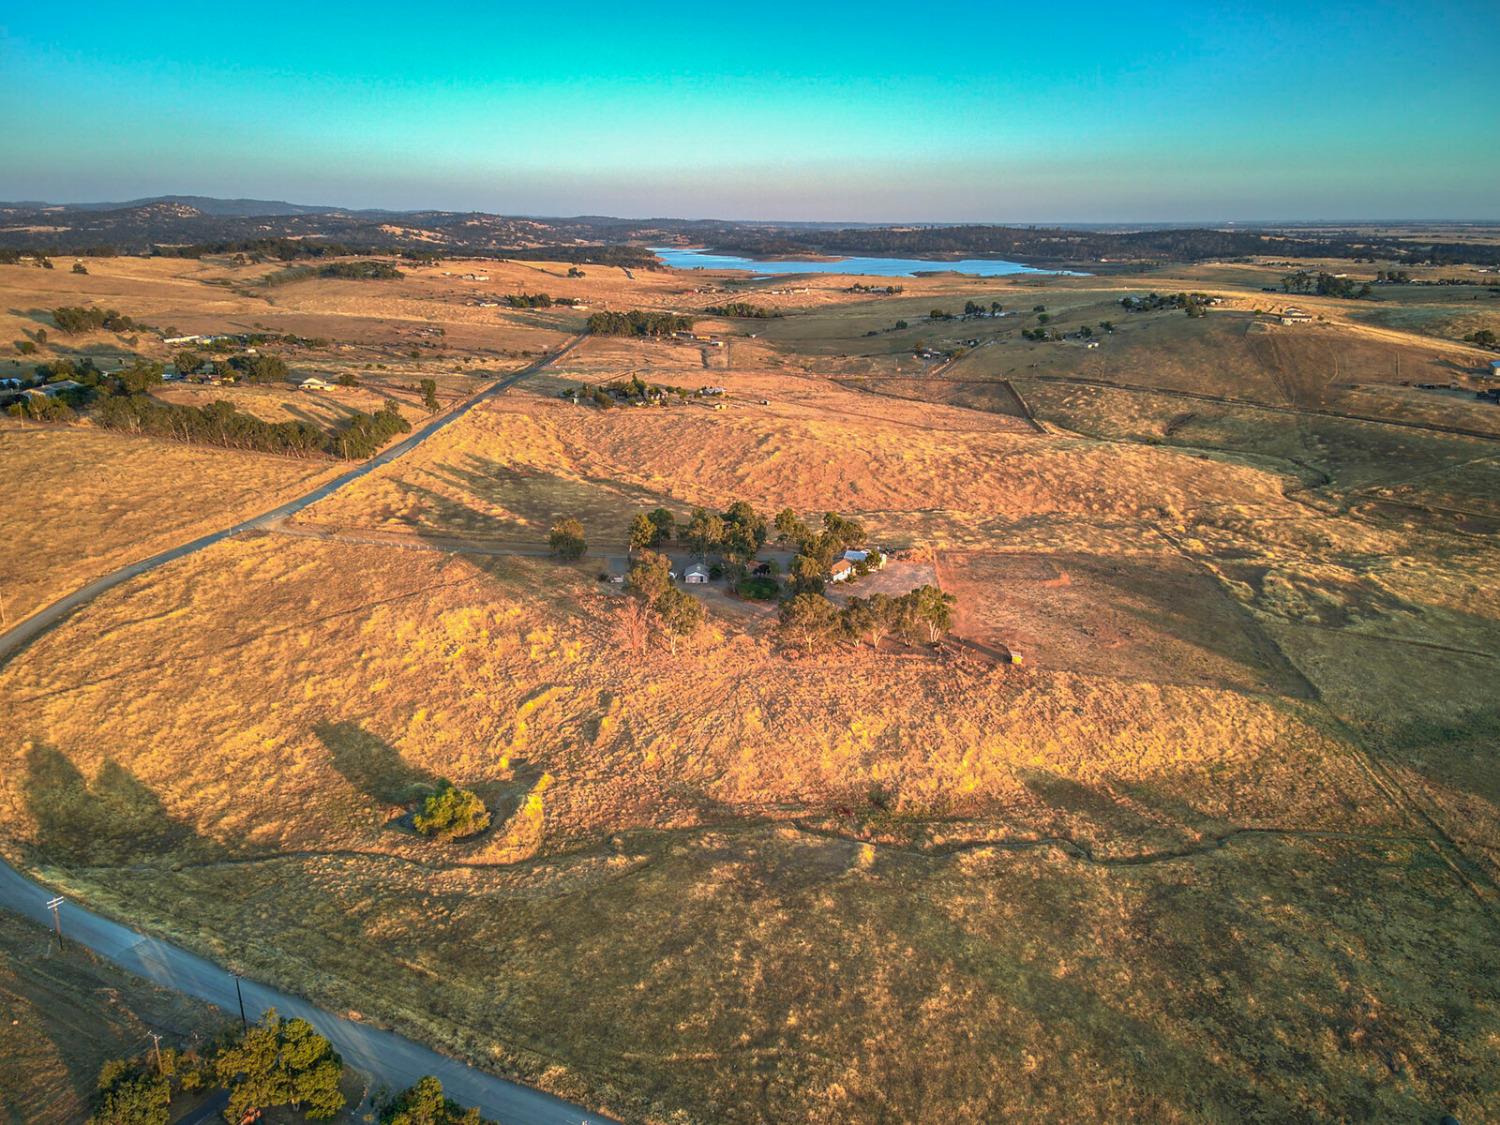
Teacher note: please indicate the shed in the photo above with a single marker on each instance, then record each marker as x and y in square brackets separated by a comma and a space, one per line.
[696, 573]
[313, 383]
[841, 571]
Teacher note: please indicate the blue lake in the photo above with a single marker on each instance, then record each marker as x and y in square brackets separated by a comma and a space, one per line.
[681, 259]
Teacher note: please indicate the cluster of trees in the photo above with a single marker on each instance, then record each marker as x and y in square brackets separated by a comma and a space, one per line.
[1154, 301]
[1392, 277]
[656, 605]
[1484, 337]
[451, 813]
[743, 310]
[73, 319]
[816, 548]
[429, 394]
[362, 271]
[638, 322]
[634, 389]
[528, 300]
[425, 1104]
[810, 620]
[1325, 285]
[272, 1063]
[886, 290]
[566, 540]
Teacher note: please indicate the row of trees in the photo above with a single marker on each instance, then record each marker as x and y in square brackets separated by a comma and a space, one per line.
[743, 310]
[219, 423]
[1325, 285]
[810, 620]
[638, 322]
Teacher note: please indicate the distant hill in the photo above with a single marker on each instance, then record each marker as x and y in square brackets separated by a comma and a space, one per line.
[204, 204]
[196, 225]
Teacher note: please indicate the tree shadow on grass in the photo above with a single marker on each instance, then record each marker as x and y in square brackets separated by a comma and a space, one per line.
[374, 766]
[113, 819]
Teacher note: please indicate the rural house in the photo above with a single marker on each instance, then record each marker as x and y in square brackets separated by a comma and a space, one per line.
[841, 571]
[695, 574]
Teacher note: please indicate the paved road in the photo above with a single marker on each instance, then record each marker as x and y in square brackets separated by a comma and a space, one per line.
[16, 639]
[386, 1057]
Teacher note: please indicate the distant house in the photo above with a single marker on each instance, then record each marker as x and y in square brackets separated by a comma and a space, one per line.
[1293, 315]
[841, 571]
[695, 574]
[172, 341]
[1495, 369]
[709, 392]
[313, 383]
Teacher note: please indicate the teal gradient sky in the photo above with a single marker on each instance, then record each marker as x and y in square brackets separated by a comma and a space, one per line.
[873, 111]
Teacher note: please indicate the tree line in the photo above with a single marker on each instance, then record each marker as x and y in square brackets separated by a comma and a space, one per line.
[743, 310]
[1325, 285]
[637, 322]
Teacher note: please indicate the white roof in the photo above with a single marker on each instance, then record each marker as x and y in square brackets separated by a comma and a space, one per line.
[696, 568]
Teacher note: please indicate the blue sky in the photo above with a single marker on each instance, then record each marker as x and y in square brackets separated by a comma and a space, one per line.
[873, 111]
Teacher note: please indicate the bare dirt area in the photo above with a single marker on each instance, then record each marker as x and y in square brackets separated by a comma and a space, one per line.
[1155, 617]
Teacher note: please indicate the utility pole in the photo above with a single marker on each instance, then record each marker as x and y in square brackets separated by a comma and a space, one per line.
[53, 904]
[244, 1023]
[156, 1049]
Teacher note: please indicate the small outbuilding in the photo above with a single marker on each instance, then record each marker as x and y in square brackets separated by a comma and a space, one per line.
[313, 383]
[841, 571]
[695, 574]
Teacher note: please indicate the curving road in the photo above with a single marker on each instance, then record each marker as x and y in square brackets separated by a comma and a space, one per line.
[387, 1057]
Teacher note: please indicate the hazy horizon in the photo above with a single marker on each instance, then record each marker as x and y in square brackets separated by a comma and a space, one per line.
[866, 114]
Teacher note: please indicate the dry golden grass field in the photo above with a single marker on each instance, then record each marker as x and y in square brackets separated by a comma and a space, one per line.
[1223, 848]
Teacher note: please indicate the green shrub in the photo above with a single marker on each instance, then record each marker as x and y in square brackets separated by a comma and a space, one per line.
[452, 812]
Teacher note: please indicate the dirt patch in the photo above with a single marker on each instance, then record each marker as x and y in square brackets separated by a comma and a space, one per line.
[1158, 619]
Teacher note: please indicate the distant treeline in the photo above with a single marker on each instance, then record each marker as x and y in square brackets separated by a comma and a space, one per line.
[356, 271]
[638, 323]
[1039, 244]
[287, 250]
[743, 310]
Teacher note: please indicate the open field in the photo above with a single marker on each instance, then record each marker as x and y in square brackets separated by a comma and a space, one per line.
[1224, 847]
[85, 501]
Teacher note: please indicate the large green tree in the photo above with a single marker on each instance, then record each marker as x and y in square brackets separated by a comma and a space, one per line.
[281, 1063]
